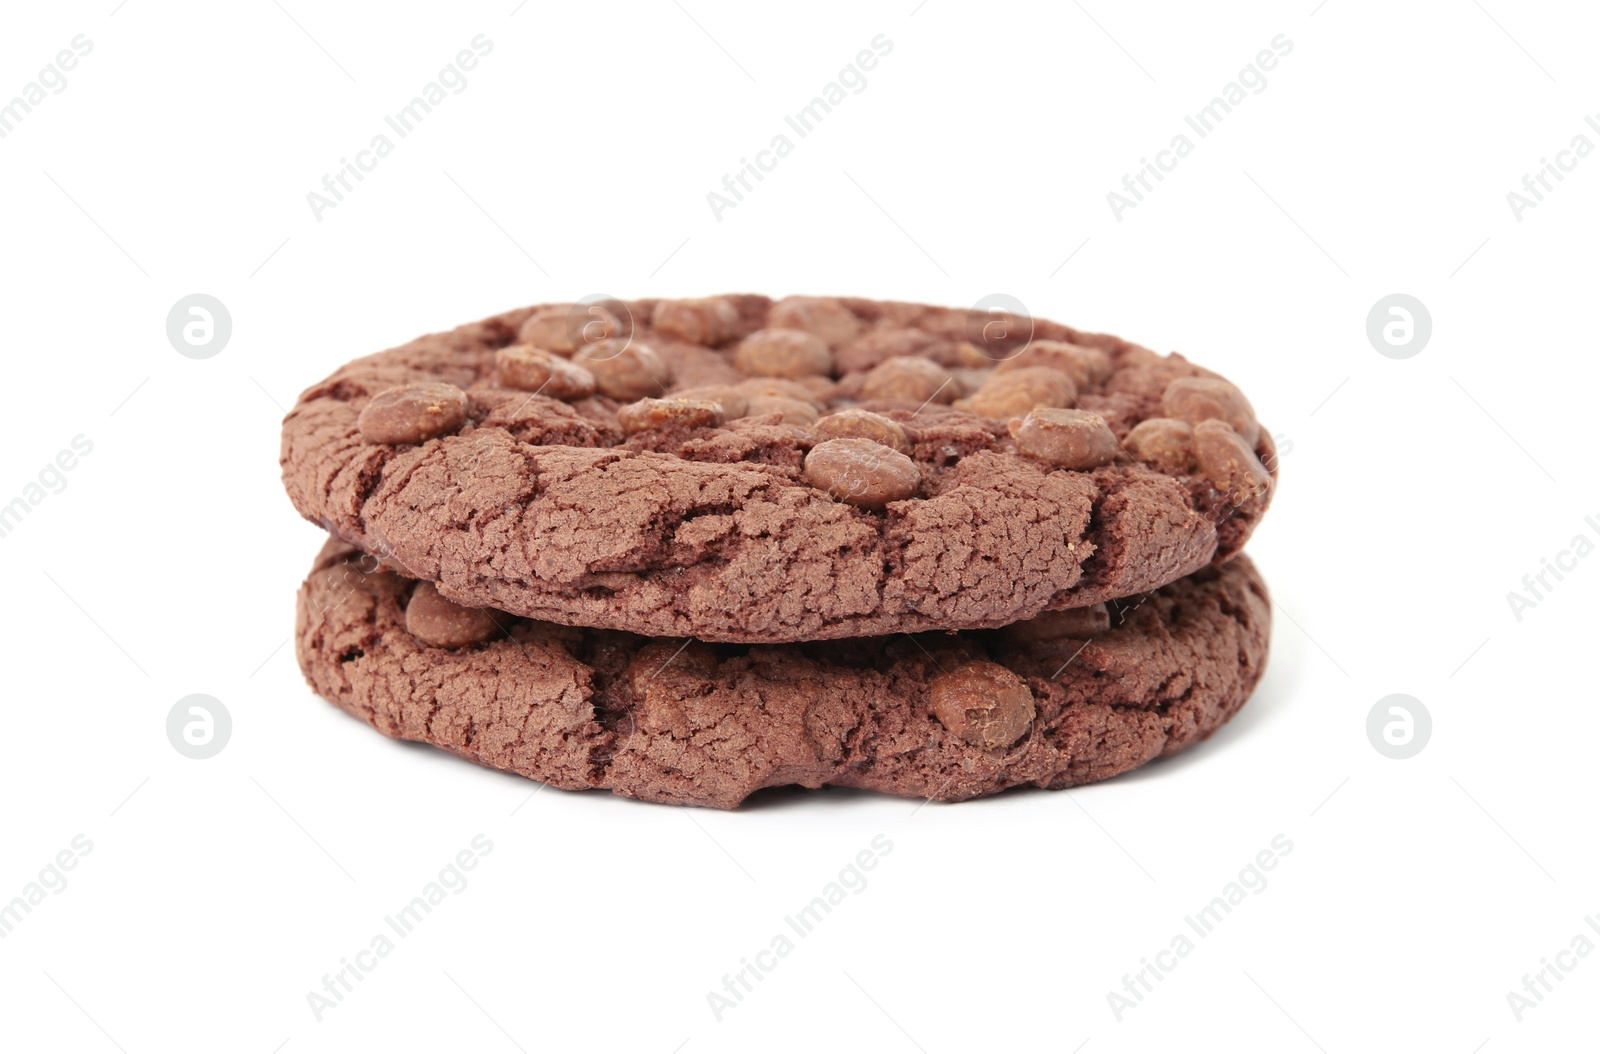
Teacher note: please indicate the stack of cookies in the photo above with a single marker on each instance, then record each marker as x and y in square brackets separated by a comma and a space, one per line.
[688, 549]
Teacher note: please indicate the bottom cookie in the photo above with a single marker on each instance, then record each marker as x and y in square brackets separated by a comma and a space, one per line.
[1066, 698]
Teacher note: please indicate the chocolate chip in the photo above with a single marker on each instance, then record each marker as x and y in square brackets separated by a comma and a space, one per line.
[625, 370]
[969, 356]
[1267, 452]
[996, 328]
[675, 412]
[879, 344]
[532, 369]
[1015, 392]
[434, 620]
[969, 379]
[546, 328]
[909, 379]
[1196, 399]
[794, 411]
[667, 679]
[783, 353]
[668, 663]
[862, 472]
[1228, 462]
[756, 387]
[1164, 442]
[562, 328]
[983, 703]
[1070, 624]
[863, 424]
[726, 396]
[711, 320]
[1088, 367]
[1074, 439]
[824, 316]
[413, 413]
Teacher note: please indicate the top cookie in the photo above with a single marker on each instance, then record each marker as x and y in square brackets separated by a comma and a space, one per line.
[736, 468]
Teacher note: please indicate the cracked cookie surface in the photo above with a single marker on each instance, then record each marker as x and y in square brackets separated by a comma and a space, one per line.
[737, 468]
[1066, 698]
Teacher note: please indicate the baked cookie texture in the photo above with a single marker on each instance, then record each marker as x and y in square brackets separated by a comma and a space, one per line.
[741, 469]
[1063, 699]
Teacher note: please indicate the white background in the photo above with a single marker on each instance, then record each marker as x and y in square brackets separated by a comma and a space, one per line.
[1415, 495]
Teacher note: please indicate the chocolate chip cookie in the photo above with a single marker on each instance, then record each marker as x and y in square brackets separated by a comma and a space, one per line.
[736, 468]
[1065, 698]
